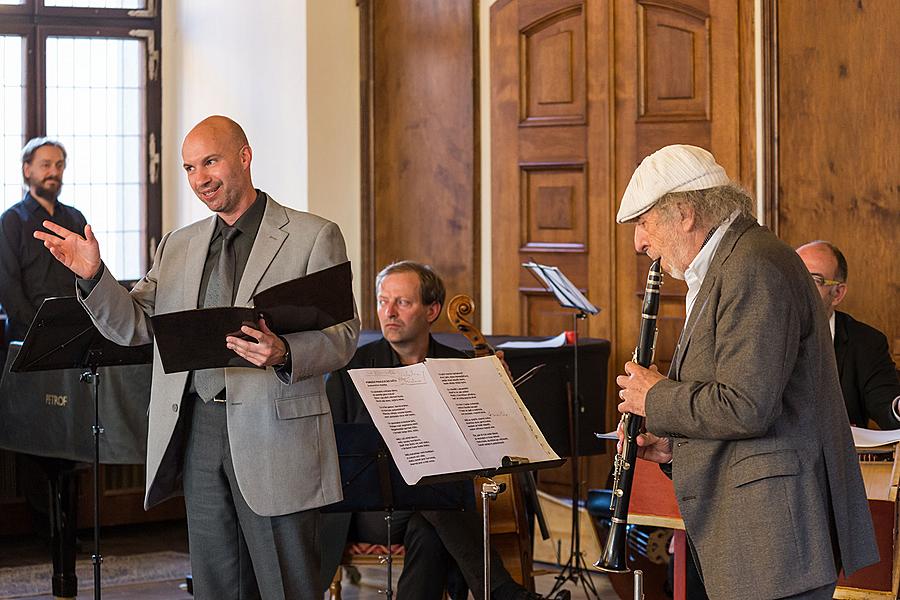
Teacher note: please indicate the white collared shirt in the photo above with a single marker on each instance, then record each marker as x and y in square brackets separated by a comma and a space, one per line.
[696, 271]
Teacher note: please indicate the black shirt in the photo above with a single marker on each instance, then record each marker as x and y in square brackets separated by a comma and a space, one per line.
[346, 404]
[28, 272]
[248, 226]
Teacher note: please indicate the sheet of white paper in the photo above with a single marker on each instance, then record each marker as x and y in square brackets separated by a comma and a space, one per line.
[409, 413]
[869, 438]
[490, 412]
[554, 342]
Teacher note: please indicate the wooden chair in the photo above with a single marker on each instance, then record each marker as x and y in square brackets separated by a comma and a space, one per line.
[510, 537]
[363, 554]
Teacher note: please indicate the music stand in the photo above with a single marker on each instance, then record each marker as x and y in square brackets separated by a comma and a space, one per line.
[370, 481]
[569, 296]
[489, 491]
[62, 336]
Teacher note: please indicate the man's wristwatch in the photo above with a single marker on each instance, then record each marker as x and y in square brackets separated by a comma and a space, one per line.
[286, 360]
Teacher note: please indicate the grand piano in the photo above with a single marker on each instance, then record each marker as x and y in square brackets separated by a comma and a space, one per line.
[50, 414]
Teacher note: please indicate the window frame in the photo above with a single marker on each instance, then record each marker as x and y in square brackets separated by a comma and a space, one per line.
[35, 22]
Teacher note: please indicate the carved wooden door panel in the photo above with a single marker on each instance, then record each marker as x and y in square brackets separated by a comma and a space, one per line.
[542, 178]
[581, 92]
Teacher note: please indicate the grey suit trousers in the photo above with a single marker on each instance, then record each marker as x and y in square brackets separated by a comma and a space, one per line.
[235, 553]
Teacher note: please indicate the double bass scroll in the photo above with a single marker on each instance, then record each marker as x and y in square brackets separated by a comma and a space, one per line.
[508, 523]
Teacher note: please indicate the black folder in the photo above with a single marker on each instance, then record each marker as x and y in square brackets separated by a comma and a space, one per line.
[195, 339]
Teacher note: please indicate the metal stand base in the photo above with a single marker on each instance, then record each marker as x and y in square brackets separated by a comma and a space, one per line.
[638, 585]
[92, 378]
[576, 568]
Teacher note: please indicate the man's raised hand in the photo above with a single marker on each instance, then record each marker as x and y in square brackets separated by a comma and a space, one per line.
[80, 254]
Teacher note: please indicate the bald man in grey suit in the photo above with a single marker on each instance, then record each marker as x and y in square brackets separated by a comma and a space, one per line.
[254, 448]
[750, 419]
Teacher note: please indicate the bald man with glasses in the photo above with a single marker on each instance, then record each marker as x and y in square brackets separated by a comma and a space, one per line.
[867, 372]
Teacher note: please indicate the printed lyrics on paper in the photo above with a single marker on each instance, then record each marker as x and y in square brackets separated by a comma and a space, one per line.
[401, 420]
[477, 420]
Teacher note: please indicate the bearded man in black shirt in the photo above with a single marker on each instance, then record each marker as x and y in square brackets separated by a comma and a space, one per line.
[28, 273]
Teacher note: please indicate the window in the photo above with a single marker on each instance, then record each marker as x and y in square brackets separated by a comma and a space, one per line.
[86, 72]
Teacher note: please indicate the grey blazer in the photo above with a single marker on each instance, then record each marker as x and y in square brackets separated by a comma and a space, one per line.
[281, 434]
[763, 455]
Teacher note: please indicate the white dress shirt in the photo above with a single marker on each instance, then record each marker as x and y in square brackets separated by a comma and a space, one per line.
[696, 271]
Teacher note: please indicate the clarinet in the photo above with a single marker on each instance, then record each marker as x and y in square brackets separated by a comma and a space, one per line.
[613, 559]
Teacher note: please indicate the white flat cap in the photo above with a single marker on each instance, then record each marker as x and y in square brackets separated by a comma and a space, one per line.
[677, 168]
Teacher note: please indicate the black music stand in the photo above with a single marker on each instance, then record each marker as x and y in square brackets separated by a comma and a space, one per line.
[489, 492]
[371, 482]
[62, 336]
[569, 296]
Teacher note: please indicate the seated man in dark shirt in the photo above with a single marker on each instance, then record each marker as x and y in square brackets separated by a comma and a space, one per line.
[410, 298]
[28, 273]
[868, 375]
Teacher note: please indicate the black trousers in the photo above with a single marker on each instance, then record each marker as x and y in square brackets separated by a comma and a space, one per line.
[434, 542]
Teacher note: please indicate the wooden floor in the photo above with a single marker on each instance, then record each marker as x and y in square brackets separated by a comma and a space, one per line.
[374, 580]
[19, 551]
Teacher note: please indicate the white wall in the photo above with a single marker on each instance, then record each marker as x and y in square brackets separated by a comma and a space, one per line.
[245, 60]
[288, 72]
[334, 121]
[487, 287]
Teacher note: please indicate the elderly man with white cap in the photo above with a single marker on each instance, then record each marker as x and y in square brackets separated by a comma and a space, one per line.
[750, 422]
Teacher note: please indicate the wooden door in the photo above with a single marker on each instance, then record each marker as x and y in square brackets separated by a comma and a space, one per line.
[833, 116]
[550, 133]
[581, 91]
[681, 79]
[420, 150]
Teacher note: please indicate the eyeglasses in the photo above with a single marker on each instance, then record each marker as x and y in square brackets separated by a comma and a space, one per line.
[822, 282]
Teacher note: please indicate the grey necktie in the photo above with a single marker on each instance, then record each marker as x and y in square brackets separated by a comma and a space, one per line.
[219, 292]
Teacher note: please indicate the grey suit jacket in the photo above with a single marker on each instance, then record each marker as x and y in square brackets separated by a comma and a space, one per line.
[763, 455]
[281, 434]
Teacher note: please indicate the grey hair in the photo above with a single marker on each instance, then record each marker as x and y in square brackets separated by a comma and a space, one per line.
[431, 288]
[711, 205]
[39, 142]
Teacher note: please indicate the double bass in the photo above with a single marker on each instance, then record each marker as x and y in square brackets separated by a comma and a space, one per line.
[510, 533]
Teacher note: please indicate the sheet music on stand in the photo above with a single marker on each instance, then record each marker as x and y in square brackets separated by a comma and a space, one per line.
[567, 294]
